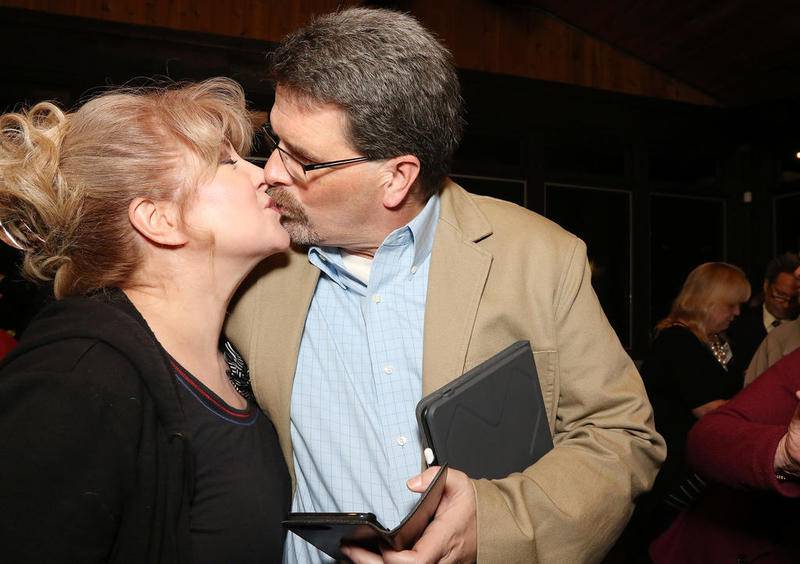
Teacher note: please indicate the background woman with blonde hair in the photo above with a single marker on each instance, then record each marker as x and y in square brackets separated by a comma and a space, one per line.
[707, 303]
[688, 374]
[128, 429]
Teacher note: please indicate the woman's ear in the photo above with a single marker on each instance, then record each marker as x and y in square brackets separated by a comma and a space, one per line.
[399, 175]
[157, 221]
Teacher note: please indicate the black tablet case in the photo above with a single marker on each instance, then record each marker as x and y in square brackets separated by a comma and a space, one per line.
[491, 421]
[327, 531]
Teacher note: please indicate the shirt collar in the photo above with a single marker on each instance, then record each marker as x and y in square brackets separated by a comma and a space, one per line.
[329, 261]
[767, 318]
[420, 232]
[423, 230]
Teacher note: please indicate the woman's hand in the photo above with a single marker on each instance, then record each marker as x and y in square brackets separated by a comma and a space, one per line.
[701, 410]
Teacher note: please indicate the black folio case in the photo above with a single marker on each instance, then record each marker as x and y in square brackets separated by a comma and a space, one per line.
[491, 421]
[328, 531]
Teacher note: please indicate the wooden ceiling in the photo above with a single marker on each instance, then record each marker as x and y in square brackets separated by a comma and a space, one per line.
[740, 52]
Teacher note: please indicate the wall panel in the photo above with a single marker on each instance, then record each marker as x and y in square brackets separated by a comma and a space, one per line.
[484, 36]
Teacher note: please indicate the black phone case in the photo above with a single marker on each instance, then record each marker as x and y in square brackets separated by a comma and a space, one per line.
[328, 531]
[491, 421]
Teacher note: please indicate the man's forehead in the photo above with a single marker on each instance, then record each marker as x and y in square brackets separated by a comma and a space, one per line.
[300, 119]
[300, 102]
[785, 280]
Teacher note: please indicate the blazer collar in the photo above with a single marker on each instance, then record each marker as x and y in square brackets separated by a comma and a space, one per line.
[456, 280]
[460, 211]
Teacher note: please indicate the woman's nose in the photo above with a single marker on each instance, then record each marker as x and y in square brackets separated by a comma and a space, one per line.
[255, 172]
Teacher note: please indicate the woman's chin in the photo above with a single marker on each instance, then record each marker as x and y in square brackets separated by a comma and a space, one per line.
[274, 248]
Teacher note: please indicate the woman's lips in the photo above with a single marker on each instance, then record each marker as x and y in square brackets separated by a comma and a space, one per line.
[272, 204]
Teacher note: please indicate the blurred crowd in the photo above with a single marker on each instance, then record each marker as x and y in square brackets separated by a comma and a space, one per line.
[722, 374]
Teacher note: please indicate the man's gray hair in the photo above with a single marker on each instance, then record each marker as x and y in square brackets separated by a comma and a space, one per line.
[393, 79]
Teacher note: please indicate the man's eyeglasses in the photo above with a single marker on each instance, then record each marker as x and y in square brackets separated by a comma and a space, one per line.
[295, 166]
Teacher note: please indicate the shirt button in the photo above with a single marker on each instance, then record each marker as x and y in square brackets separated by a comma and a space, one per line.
[388, 369]
[414, 269]
[376, 298]
[401, 440]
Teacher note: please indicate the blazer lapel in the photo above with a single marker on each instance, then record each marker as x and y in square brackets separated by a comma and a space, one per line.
[458, 273]
[284, 296]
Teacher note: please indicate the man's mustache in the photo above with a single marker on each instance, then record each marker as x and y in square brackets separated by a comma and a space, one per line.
[288, 203]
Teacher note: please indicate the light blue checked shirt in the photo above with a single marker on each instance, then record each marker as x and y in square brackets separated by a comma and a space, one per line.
[358, 381]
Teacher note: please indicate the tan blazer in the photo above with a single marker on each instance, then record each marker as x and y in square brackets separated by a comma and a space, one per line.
[499, 274]
[777, 344]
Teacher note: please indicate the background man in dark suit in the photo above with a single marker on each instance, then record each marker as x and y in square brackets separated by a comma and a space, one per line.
[776, 304]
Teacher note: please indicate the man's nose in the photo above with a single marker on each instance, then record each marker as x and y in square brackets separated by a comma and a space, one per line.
[275, 172]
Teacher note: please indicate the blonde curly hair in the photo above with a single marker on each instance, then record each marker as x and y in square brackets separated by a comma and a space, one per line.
[67, 179]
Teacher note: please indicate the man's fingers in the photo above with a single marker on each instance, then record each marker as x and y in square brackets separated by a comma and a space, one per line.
[431, 547]
[420, 482]
[403, 557]
[361, 555]
[449, 537]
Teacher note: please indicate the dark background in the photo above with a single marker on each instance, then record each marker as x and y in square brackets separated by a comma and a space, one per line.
[640, 130]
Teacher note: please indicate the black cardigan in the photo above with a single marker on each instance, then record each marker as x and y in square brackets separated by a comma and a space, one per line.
[95, 463]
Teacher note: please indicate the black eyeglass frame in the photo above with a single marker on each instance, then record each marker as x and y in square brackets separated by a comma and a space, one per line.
[273, 140]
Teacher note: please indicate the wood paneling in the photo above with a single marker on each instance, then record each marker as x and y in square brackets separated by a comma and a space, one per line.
[483, 35]
[741, 52]
[521, 41]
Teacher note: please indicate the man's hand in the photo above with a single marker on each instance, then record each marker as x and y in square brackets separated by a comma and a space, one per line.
[452, 536]
[787, 455]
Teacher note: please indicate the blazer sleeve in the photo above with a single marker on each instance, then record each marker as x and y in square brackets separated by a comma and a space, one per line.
[735, 444]
[574, 502]
[67, 458]
[759, 363]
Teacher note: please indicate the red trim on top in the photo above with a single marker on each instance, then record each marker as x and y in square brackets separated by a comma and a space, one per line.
[223, 407]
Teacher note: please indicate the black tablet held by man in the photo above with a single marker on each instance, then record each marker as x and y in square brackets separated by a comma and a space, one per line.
[491, 421]
[329, 531]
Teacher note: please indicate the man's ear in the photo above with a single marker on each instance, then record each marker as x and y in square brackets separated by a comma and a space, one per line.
[399, 175]
[157, 221]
